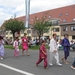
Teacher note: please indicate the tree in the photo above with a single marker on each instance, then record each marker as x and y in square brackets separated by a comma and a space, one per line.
[41, 26]
[14, 26]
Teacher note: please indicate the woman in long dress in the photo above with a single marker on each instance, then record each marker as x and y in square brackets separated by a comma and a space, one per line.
[1, 48]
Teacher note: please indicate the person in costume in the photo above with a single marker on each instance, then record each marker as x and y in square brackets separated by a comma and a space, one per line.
[66, 46]
[42, 55]
[54, 50]
[25, 44]
[16, 47]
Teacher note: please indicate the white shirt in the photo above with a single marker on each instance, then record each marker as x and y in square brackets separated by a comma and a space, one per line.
[53, 45]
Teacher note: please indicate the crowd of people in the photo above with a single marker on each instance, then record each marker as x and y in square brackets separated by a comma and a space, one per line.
[53, 49]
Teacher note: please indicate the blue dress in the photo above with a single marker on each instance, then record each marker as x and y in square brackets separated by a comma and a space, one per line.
[66, 46]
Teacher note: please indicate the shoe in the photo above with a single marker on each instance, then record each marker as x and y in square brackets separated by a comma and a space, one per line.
[59, 64]
[72, 67]
[51, 64]
[62, 59]
[36, 64]
[28, 55]
[66, 62]
[1, 58]
[46, 67]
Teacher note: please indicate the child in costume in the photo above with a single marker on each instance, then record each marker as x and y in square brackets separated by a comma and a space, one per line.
[16, 47]
[42, 55]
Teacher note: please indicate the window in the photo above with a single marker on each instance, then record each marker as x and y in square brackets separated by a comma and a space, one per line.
[64, 20]
[31, 19]
[73, 19]
[28, 31]
[66, 13]
[37, 18]
[10, 37]
[6, 33]
[10, 32]
[58, 21]
[30, 26]
[33, 31]
[73, 37]
[49, 16]
[56, 29]
[55, 22]
[65, 29]
[73, 28]
[60, 14]
[22, 32]
[58, 37]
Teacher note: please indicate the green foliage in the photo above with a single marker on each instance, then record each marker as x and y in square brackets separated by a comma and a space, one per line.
[41, 25]
[20, 47]
[14, 25]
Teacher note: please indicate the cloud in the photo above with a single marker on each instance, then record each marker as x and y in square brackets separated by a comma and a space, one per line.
[41, 5]
[9, 7]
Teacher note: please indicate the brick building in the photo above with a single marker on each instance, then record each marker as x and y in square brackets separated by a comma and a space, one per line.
[63, 21]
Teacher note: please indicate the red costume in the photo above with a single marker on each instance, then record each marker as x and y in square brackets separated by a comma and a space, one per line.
[42, 56]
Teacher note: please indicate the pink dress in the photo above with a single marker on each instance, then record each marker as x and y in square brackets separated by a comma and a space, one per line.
[25, 43]
[16, 48]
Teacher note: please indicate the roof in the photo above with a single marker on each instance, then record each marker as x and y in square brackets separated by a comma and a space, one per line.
[65, 14]
[71, 23]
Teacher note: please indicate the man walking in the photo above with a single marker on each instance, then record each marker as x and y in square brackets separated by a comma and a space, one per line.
[54, 51]
[66, 46]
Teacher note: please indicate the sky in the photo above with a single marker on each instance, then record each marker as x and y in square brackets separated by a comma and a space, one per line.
[9, 8]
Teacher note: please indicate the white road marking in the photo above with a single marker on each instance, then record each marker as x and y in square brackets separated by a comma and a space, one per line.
[15, 69]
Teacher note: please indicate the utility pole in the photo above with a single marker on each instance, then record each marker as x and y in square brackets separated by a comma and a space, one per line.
[27, 3]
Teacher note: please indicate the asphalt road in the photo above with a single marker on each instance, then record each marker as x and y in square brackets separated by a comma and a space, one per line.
[26, 64]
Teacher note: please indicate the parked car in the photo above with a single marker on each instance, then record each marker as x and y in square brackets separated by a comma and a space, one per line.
[72, 47]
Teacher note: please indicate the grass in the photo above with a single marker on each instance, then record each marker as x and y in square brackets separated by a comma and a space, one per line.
[8, 46]
[31, 48]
